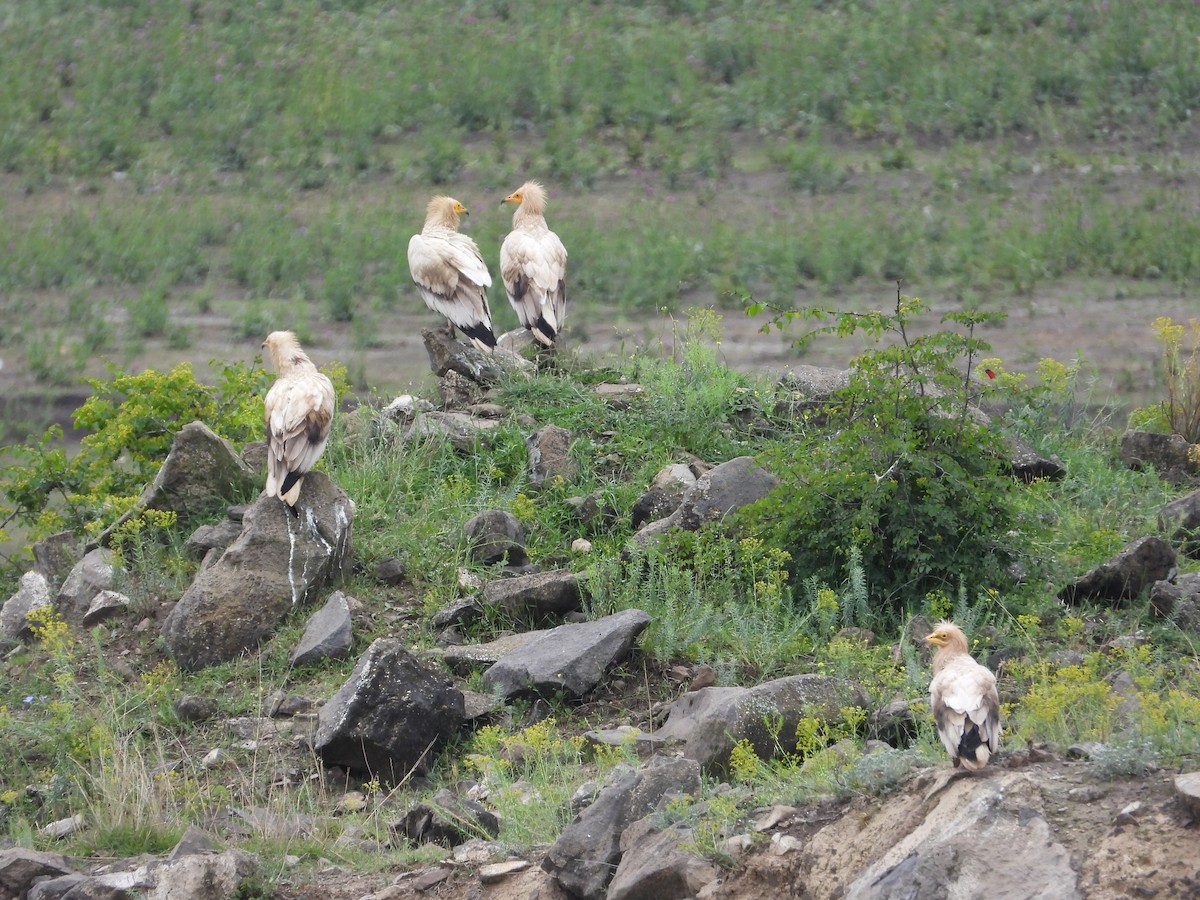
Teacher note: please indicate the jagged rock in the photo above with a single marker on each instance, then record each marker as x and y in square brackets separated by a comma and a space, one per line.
[1029, 466]
[1180, 521]
[1166, 453]
[1178, 601]
[458, 391]
[537, 596]
[390, 571]
[91, 575]
[447, 819]
[719, 491]
[494, 872]
[496, 535]
[390, 715]
[281, 558]
[447, 354]
[57, 554]
[63, 828]
[194, 840]
[654, 865]
[1126, 575]
[587, 853]
[56, 888]
[327, 634]
[212, 537]
[459, 612]
[204, 876]
[464, 432]
[202, 471]
[550, 456]
[19, 867]
[569, 659]
[711, 721]
[104, 604]
[467, 658]
[32, 593]
[664, 495]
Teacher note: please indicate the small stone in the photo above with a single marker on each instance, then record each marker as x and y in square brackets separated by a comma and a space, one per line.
[784, 843]
[191, 708]
[430, 878]
[214, 758]
[738, 844]
[62, 828]
[774, 816]
[391, 571]
[581, 545]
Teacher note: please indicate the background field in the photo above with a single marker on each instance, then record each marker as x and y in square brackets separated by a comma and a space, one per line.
[179, 179]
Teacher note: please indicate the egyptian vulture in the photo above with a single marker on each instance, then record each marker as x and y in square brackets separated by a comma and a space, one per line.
[533, 265]
[450, 272]
[299, 410]
[963, 697]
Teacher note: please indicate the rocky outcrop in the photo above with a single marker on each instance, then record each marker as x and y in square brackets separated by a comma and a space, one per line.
[281, 558]
[723, 489]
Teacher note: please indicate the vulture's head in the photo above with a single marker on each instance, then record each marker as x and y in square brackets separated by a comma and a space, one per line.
[948, 635]
[444, 211]
[531, 195]
[280, 346]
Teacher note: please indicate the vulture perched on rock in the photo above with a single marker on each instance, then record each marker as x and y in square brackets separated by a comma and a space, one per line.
[963, 696]
[299, 411]
[533, 265]
[450, 272]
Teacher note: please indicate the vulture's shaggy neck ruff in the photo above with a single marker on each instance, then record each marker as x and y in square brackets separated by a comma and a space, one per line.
[533, 202]
[442, 212]
[285, 352]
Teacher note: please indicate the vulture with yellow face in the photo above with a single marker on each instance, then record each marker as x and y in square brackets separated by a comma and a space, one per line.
[966, 706]
[450, 273]
[299, 411]
[533, 266]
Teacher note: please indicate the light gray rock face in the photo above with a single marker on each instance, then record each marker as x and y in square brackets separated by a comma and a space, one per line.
[91, 575]
[719, 491]
[202, 471]
[1126, 575]
[281, 558]
[539, 595]
[496, 535]
[550, 456]
[654, 865]
[328, 634]
[711, 721]
[32, 593]
[204, 876]
[939, 856]
[104, 605]
[390, 716]
[569, 659]
[213, 537]
[588, 851]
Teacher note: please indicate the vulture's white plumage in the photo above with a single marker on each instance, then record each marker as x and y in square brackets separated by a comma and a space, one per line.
[533, 266]
[450, 272]
[966, 706]
[299, 411]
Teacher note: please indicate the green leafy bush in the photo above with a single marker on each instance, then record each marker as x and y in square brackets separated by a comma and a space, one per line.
[907, 476]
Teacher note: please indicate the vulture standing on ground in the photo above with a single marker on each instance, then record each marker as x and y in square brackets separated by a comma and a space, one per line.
[963, 696]
[299, 410]
[533, 265]
[450, 272]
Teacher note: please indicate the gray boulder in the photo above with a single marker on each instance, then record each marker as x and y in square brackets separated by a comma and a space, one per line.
[1180, 520]
[1178, 601]
[569, 659]
[588, 851]
[328, 634]
[19, 867]
[1167, 454]
[103, 606]
[390, 716]
[537, 596]
[549, 451]
[281, 558]
[449, 820]
[91, 575]
[654, 865]
[1126, 575]
[719, 491]
[712, 720]
[32, 593]
[464, 432]
[664, 495]
[496, 535]
[205, 876]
